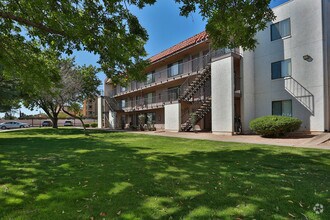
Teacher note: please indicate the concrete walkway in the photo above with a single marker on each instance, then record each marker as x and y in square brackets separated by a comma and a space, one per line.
[318, 141]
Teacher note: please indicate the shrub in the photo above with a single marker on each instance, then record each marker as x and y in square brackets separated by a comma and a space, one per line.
[193, 120]
[142, 118]
[274, 126]
[134, 127]
[94, 125]
[87, 125]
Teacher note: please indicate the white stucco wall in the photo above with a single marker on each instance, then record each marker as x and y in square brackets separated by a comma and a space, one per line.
[326, 27]
[222, 88]
[248, 93]
[306, 39]
[100, 107]
[112, 120]
[172, 117]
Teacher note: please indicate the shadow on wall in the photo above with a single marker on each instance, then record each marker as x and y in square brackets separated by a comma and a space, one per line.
[300, 93]
[287, 83]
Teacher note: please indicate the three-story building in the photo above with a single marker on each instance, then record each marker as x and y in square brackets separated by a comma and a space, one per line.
[287, 74]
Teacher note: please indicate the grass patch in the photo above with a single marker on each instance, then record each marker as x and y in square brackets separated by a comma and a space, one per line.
[62, 174]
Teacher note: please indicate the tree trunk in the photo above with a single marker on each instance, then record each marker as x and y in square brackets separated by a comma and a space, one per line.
[53, 115]
[55, 122]
[76, 117]
[83, 124]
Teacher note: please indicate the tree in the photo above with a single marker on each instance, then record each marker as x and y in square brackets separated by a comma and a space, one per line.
[231, 23]
[74, 84]
[105, 28]
[110, 30]
[9, 95]
[9, 115]
[74, 110]
[79, 84]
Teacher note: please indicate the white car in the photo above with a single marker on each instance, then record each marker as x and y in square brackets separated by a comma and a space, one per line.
[13, 124]
[68, 123]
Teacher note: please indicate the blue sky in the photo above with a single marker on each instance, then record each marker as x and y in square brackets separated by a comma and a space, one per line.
[165, 28]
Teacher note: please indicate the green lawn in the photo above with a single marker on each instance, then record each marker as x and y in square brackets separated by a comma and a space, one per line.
[62, 174]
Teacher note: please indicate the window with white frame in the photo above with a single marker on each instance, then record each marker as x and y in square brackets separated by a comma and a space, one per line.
[280, 29]
[281, 69]
[283, 108]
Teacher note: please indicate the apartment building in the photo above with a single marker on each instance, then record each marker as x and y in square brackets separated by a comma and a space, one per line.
[89, 109]
[287, 74]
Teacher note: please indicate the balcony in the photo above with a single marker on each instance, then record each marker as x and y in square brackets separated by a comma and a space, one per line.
[146, 103]
[177, 71]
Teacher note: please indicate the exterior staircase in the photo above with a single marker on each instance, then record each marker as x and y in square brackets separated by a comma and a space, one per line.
[201, 111]
[189, 88]
[111, 103]
[302, 95]
[187, 91]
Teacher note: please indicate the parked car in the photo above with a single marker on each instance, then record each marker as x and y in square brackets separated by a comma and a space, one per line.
[46, 124]
[68, 123]
[13, 124]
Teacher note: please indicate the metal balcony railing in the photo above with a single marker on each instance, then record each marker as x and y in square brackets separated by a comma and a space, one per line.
[173, 72]
[142, 103]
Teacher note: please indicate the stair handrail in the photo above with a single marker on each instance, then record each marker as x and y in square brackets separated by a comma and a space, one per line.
[111, 103]
[187, 81]
[195, 105]
[309, 95]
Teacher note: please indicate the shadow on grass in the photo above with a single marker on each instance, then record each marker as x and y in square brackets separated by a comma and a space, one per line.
[125, 176]
[58, 131]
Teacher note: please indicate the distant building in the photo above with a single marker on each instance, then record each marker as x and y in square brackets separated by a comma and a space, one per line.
[90, 108]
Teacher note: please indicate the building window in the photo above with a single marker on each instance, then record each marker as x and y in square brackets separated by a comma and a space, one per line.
[173, 93]
[283, 108]
[174, 69]
[151, 117]
[281, 69]
[149, 98]
[123, 103]
[150, 78]
[195, 62]
[138, 100]
[280, 29]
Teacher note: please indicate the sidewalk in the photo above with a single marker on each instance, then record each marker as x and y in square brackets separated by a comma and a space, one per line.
[319, 141]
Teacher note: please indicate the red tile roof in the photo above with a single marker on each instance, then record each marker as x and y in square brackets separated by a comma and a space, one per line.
[180, 46]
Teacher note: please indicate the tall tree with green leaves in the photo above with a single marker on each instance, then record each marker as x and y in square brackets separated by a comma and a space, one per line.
[9, 94]
[231, 23]
[78, 84]
[110, 30]
[105, 28]
[72, 84]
